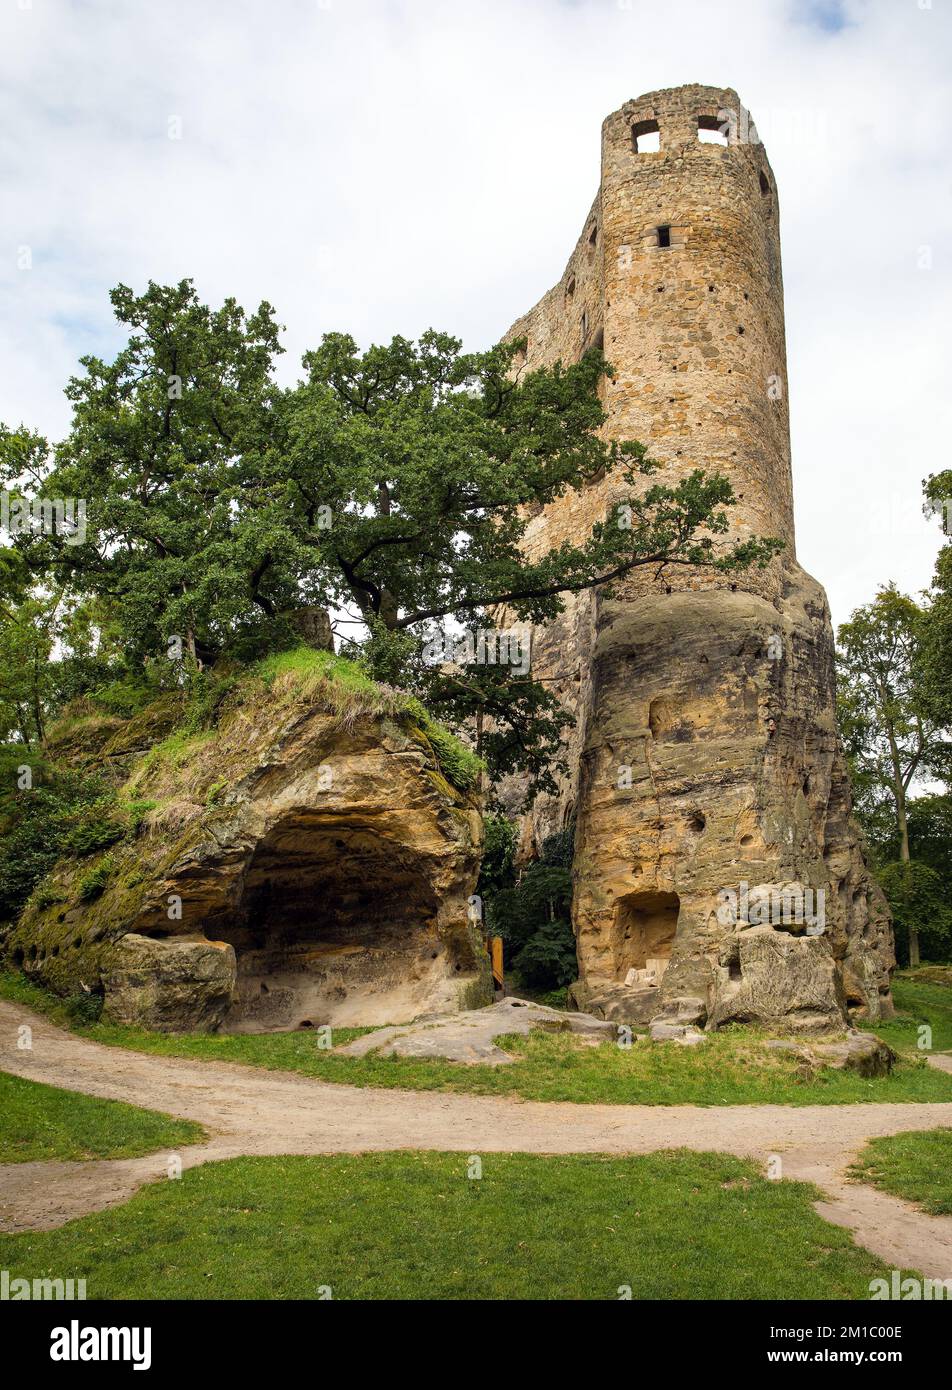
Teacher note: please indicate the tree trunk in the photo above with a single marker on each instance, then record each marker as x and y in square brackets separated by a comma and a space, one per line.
[902, 824]
[904, 856]
[913, 948]
[389, 610]
[38, 708]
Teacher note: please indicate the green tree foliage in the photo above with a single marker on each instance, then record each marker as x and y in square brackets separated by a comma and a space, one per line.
[392, 487]
[497, 870]
[27, 635]
[889, 727]
[936, 661]
[61, 812]
[534, 918]
[922, 912]
[929, 822]
[163, 446]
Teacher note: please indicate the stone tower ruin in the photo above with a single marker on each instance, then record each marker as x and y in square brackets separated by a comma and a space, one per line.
[716, 858]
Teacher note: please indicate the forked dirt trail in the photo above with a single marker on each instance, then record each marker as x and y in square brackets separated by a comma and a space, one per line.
[250, 1111]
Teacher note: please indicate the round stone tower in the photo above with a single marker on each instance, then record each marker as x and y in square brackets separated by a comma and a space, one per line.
[716, 859]
[692, 299]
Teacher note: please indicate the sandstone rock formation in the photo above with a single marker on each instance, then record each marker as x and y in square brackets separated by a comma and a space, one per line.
[300, 865]
[470, 1037]
[705, 768]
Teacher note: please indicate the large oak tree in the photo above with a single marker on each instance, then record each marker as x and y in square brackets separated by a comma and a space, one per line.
[392, 487]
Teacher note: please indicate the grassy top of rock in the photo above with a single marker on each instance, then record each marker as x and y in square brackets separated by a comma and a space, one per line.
[117, 721]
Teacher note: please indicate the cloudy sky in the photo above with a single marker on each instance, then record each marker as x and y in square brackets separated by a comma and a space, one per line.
[382, 166]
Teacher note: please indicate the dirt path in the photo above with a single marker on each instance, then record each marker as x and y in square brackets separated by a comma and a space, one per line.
[251, 1111]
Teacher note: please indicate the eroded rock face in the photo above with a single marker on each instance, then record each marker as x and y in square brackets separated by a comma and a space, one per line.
[298, 871]
[713, 828]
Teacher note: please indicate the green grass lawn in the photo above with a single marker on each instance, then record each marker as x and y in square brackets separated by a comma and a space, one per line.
[731, 1068]
[43, 1122]
[674, 1225]
[916, 1166]
[920, 998]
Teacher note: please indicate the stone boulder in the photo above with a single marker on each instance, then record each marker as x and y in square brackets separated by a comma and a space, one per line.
[662, 1031]
[471, 1037]
[786, 981]
[860, 1052]
[171, 985]
[685, 1011]
[863, 1053]
[616, 1002]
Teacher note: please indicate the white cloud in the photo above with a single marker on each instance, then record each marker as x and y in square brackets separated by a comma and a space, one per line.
[381, 167]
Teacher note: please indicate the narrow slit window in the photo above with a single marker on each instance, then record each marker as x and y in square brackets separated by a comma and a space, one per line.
[664, 236]
[584, 323]
[764, 184]
[646, 137]
[711, 130]
[570, 287]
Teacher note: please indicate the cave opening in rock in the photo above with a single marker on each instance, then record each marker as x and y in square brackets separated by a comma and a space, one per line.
[643, 932]
[336, 923]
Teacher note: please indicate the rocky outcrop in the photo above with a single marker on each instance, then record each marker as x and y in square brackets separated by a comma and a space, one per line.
[308, 861]
[714, 827]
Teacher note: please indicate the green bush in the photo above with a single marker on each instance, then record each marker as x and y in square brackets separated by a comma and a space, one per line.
[94, 883]
[534, 915]
[45, 895]
[206, 692]
[497, 871]
[93, 827]
[127, 696]
[84, 1008]
[918, 899]
[547, 961]
[63, 812]
[137, 811]
[459, 763]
